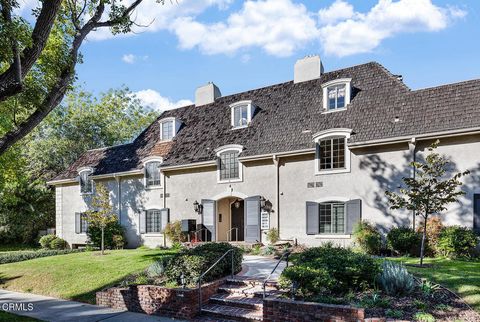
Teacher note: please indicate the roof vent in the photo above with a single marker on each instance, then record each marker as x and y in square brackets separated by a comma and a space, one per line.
[206, 94]
[308, 68]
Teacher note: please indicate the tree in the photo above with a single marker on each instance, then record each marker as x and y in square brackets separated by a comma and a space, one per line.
[430, 191]
[22, 49]
[101, 214]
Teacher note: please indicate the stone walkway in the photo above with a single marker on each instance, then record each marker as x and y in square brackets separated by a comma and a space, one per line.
[260, 267]
[56, 310]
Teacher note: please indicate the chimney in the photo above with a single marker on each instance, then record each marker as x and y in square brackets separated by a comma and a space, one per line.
[206, 94]
[308, 68]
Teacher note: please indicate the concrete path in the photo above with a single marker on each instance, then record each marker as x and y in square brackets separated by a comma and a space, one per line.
[55, 310]
[261, 267]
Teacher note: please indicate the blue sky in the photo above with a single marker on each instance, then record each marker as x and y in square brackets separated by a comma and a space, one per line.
[240, 45]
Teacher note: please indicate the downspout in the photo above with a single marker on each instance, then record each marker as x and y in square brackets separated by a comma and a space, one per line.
[119, 197]
[276, 162]
[164, 203]
[412, 147]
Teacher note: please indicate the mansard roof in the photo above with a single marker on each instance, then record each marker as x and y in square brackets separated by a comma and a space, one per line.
[288, 114]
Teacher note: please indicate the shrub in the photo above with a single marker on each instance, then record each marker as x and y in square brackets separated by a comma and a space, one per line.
[272, 236]
[348, 270]
[118, 241]
[158, 267]
[268, 251]
[434, 228]
[94, 234]
[58, 243]
[404, 241]
[367, 237]
[456, 241]
[395, 279]
[12, 257]
[46, 240]
[309, 281]
[195, 261]
[174, 233]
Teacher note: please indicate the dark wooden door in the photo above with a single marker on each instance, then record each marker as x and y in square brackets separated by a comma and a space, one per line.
[238, 221]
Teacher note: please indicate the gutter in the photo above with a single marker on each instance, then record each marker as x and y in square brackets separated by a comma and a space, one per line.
[275, 155]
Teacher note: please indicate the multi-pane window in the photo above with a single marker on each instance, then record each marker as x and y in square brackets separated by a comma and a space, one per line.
[153, 220]
[229, 165]
[332, 218]
[336, 96]
[167, 130]
[152, 174]
[86, 183]
[332, 154]
[83, 223]
[240, 115]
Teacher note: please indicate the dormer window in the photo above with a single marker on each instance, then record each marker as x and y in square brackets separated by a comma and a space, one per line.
[332, 153]
[153, 178]
[242, 113]
[86, 182]
[229, 168]
[169, 128]
[336, 94]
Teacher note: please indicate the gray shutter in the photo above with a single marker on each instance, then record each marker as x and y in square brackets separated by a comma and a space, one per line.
[476, 212]
[77, 223]
[165, 213]
[354, 214]
[143, 222]
[312, 218]
[209, 219]
[252, 219]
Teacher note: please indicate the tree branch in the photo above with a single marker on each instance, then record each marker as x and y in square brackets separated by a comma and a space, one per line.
[126, 13]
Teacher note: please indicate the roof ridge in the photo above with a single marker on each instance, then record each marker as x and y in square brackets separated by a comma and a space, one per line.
[446, 84]
[108, 147]
[390, 75]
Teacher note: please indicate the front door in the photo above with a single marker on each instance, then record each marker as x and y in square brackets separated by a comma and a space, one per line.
[237, 221]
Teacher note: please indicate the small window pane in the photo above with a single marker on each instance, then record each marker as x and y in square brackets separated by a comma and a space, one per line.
[86, 183]
[240, 115]
[332, 218]
[153, 221]
[229, 165]
[83, 223]
[332, 154]
[152, 174]
[336, 96]
[167, 130]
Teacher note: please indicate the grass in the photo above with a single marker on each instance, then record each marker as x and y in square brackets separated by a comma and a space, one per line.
[75, 276]
[461, 277]
[5, 316]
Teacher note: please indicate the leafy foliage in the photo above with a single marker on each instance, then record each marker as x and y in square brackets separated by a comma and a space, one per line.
[367, 237]
[46, 240]
[12, 257]
[273, 236]
[456, 241]
[395, 279]
[58, 243]
[404, 241]
[434, 228]
[173, 231]
[159, 267]
[310, 281]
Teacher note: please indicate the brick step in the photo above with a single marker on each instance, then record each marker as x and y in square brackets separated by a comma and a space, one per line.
[246, 280]
[206, 318]
[256, 291]
[237, 300]
[232, 313]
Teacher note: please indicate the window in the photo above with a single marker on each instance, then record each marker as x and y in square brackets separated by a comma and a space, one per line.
[332, 218]
[83, 223]
[336, 94]
[169, 128]
[152, 174]
[229, 167]
[153, 221]
[332, 153]
[242, 113]
[86, 182]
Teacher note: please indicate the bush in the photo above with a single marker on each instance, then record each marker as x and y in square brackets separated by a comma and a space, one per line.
[46, 240]
[195, 261]
[367, 237]
[395, 279]
[158, 268]
[404, 241]
[118, 241]
[58, 243]
[456, 241]
[348, 270]
[272, 236]
[94, 234]
[12, 257]
[310, 282]
[174, 233]
[434, 228]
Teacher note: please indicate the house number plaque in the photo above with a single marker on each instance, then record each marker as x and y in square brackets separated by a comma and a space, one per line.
[265, 220]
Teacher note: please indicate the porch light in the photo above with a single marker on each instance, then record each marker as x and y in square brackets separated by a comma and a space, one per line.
[197, 207]
[265, 204]
[237, 203]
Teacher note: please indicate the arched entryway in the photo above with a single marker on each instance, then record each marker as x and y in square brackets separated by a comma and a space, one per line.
[230, 219]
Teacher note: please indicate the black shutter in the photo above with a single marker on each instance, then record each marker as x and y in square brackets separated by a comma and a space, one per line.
[476, 212]
[252, 219]
[209, 219]
[354, 214]
[312, 218]
[78, 223]
[165, 214]
[143, 222]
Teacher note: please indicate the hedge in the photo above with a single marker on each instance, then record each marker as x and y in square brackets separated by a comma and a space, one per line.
[12, 257]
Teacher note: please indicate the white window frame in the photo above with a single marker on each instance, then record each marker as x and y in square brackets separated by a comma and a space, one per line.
[336, 82]
[90, 172]
[229, 148]
[152, 233]
[145, 162]
[250, 112]
[175, 127]
[83, 217]
[344, 218]
[332, 134]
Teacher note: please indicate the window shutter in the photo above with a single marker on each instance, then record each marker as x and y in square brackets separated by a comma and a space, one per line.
[476, 212]
[165, 213]
[77, 223]
[209, 219]
[354, 214]
[252, 219]
[143, 222]
[312, 218]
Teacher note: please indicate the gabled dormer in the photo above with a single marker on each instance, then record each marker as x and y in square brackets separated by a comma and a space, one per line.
[241, 114]
[169, 127]
[336, 94]
[85, 180]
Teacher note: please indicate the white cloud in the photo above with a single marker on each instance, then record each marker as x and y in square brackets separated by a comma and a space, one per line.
[25, 7]
[129, 58]
[339, 10]
[361, 33]
[153, 99]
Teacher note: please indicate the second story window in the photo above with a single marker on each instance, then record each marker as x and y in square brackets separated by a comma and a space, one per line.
[86, 182]
[242, 113]
[336, 94]
[229, 167]
[336, 97]
[153, 176]
[333, 155]
[169, 128]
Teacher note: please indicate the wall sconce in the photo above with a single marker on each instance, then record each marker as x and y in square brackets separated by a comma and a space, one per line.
[197, 207]
[265, 204]
[237, 203]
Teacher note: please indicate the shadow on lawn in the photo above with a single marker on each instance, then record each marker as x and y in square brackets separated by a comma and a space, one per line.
[4, 279]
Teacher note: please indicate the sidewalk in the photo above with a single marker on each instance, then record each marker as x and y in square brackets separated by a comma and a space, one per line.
[261, 267]
[55, 310]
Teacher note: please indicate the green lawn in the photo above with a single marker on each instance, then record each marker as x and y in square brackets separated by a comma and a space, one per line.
[9, 317]
[75, 276]
[461, 277]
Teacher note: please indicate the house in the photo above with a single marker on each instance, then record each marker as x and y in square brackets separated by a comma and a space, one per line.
[310, 157]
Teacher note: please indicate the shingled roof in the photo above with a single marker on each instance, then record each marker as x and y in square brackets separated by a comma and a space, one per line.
[285, 110]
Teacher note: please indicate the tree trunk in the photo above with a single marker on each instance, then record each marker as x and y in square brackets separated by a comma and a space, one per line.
[424, 237]
[103, 242]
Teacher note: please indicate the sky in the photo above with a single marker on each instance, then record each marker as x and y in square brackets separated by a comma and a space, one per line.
[242, 45]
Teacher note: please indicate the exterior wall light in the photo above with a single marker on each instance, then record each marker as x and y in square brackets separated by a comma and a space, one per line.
[197, 207]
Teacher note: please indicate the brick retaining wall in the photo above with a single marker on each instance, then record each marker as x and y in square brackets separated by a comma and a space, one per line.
[157, 300]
